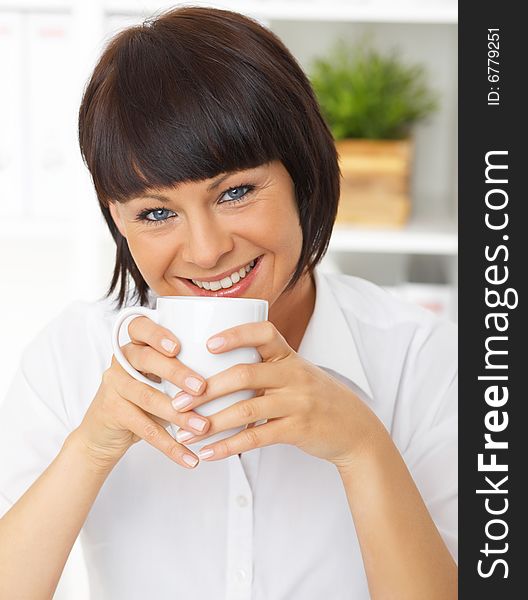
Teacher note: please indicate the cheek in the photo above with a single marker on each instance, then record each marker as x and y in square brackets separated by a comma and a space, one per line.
[151, 255]
[278, 229]
[288, 235]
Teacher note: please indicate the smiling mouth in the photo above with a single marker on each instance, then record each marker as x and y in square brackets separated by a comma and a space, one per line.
[227, 281]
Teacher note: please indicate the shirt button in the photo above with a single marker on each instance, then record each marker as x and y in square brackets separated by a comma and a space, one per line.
[242, 501]
[241, 575]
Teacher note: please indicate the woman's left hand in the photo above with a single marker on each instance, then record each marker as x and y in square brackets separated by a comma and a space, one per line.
[303, 404]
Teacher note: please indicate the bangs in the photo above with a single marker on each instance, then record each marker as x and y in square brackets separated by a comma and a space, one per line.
[155, 123]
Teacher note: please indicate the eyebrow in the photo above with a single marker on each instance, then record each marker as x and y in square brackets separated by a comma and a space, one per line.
[210, 187]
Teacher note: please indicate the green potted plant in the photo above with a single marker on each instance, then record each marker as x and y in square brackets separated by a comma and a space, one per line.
[371, 101]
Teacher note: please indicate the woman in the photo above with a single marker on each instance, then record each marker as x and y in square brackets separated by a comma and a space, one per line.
[217, 175]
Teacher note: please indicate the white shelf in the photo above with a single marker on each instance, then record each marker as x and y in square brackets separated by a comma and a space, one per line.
[362, 11]
[416, 238]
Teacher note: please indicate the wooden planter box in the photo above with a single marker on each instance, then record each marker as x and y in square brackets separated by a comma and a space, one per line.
[375, 182]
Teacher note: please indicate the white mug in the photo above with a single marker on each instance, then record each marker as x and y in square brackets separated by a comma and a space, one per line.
[193, 320]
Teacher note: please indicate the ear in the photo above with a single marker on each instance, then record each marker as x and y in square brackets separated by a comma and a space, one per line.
[114, 211]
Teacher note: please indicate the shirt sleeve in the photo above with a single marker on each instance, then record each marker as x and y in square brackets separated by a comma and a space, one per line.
[33, 421]
[426, 424]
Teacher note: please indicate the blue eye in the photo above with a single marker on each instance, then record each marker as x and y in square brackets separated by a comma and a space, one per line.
[238, 192]
[158, 213]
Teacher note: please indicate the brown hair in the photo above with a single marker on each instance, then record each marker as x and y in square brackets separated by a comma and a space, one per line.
[193, 93]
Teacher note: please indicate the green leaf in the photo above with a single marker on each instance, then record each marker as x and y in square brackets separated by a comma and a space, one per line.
[366, 94]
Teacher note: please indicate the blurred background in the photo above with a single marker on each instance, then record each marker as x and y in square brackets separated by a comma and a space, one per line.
[54, 247]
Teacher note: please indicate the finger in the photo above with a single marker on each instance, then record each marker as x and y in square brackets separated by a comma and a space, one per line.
[245, 412]
[258, 376]
[186, 436]
[152, 377]
[147, 359]
[153, 433]
[159, 420]
[249, 439]
[158, 404]
[263, 336]
[190, 425]
[143, 330]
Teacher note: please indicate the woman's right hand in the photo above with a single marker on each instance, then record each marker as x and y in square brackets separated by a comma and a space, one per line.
[125, 410]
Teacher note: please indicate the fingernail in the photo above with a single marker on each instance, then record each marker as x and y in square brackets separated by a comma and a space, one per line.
[198, 424]
[194, 383]
[205, 453]
[182, 401]
[215, 343]
[190, 460]
[168, 345]
[182, 435]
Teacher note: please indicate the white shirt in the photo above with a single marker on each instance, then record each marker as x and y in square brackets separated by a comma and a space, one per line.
[274, 524]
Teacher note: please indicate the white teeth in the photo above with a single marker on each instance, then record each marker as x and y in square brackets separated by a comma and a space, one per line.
[226, 282]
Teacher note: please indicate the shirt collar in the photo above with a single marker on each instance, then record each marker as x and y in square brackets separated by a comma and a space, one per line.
[328, 341]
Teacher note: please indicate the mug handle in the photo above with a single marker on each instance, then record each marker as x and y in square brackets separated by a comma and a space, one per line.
[138, 311]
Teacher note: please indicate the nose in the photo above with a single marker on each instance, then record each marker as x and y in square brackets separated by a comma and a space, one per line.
[206, 241]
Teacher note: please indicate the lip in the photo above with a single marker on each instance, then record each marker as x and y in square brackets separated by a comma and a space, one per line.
[235, 290]
[222, 275]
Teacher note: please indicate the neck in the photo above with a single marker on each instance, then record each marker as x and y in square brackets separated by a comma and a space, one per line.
[291, 312]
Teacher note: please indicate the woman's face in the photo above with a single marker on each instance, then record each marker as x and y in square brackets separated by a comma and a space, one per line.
[211, 231]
